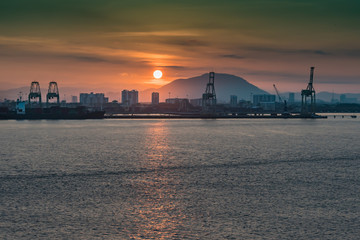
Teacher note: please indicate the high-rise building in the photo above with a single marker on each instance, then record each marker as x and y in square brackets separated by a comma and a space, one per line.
[233, 100]
[92, 99]
[129, 98]
[263, 98]
[74, 99]
[155, 98]
[125, 97]
[291, 97]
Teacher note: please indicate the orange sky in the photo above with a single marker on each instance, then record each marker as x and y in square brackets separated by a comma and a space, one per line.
[115, 45]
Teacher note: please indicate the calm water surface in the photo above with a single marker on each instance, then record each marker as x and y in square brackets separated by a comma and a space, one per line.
[180, 179]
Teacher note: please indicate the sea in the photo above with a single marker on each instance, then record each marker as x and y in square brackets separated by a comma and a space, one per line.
[180, 178]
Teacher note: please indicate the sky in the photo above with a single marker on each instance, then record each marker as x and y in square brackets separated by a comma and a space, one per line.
[110, 45]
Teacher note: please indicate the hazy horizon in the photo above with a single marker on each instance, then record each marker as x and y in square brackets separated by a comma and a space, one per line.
[115, 94]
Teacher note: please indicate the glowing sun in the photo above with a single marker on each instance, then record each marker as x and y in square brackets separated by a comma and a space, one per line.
[157, 74]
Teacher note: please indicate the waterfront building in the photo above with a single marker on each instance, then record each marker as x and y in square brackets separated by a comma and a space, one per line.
[74, 99]
[176, 100]
[263, 98]
[129, 98]
[155, 98]
[92, 99]
[197, 102]
[291, 97]
[233, 100]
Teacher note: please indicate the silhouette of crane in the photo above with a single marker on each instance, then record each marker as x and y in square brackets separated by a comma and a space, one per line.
[309, 92]
[53, 92]
[35, 92]
[209, 97]
[281, 100]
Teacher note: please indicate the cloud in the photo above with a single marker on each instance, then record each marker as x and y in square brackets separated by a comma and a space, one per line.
[233, 56]
[158, 81]
[349, 52]
[274, 74]
[87, 58]
[186, 42]
[91, 59]
[165, 33]
[273, 35]
[289, 51]
[172, 67]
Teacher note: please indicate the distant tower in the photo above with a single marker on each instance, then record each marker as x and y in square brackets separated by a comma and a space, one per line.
[155, 98]
[209, 97]
[35, 92]
[53, 92]
[124, 97]
[74, 99]
[291, 97]
[309, 92]
[233, 100]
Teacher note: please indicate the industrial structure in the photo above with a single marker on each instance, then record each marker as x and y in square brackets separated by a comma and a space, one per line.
[35, 92]
[306, 107]
[209, 97]
[53, 92]
[280, 99]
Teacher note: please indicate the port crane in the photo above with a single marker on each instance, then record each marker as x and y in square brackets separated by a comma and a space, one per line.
[35, 92]
[309, 92]
[209, 97]
[280, 99]
[53, 92]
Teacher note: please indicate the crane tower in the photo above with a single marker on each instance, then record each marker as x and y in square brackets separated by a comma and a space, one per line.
[306, 107]
[209, 97]
[53, 92]
[35, 92]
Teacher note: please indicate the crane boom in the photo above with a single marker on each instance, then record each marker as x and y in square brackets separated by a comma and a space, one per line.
[281, 100]
[309, 92]
[277, 92]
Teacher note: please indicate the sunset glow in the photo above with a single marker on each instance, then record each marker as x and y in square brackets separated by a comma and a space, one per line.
[111, 46]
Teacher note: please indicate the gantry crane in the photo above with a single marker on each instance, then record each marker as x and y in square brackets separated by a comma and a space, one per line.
[309, 92]
[53, 92]
[209, 97]
[35, 92]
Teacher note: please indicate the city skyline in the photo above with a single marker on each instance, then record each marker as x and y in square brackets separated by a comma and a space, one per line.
[112, 45]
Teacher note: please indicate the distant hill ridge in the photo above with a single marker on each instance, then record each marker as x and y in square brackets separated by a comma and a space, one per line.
[225, 85]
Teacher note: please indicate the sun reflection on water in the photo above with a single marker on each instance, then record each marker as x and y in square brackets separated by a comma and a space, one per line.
[157, 214]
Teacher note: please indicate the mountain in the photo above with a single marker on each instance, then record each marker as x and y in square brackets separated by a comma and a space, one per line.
[225, 85]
